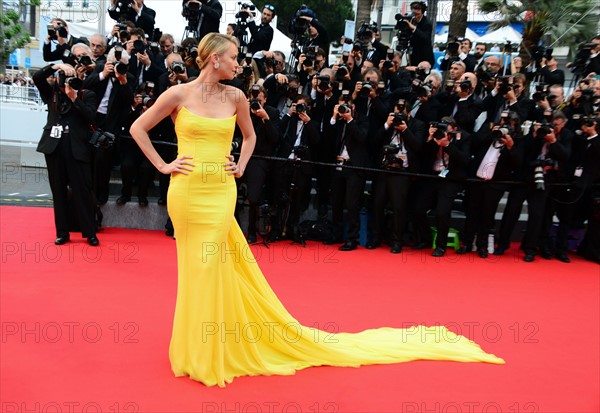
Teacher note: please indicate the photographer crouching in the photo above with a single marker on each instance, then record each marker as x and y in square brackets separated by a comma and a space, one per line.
[65, 145]
[399, 141]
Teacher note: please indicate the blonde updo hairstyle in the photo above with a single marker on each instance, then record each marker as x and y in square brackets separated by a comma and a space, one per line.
[214, 43]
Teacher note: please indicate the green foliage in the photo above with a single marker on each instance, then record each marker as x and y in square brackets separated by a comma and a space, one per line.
[332, 13]
[12, 34]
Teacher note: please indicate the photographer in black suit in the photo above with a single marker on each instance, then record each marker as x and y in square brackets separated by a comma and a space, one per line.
[300, 135]
[65, 145]
[348, 184]
[203, 16]
[114, 87]
[58, 31]
[265, 120]
[447, 155]
[399, 142]
[134, 11]
[420, 40]
[262, 35]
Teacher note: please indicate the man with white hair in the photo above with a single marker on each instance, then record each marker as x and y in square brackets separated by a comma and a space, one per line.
[114, 87]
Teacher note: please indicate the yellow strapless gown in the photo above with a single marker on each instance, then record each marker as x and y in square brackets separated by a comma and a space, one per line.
[228, 321]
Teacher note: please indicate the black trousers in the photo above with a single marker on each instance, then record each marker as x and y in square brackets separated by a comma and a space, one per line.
[394, 188]
[438, 194]
[134, 164]
[559, 203]
[293, 193]
[536, 200]
[346, 190]
[66, 172]
[258, 176]
[482, 202]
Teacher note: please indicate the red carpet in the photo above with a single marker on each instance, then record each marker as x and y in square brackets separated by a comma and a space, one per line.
[87, 329]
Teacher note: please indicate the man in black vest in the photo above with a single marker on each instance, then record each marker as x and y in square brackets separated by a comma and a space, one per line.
[65, 144]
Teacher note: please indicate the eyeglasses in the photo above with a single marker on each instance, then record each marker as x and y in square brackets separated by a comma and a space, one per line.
[270, 7]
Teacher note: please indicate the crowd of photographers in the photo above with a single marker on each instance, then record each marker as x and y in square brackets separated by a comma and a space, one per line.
[421, 136]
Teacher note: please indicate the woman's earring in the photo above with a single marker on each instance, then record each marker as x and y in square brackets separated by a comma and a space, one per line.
[217, 65]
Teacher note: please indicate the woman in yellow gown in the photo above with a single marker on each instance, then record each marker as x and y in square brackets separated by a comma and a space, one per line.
[228, 321]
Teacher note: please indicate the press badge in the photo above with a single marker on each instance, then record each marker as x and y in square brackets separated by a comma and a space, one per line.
[443, 173]
[578, 172]
[56, 131]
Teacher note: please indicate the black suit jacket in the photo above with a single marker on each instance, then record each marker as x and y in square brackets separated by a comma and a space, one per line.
[57, 54]
[322, 40]
[262, 36]
[145, 21]
[510, 159]
[77, 115]
[420, 41]
[586, 156]
[267, 132]
[119, 101]
[413, 138]
[459, 155]
[592, 66]
[556, 77]
[355, 137]
[210, 14]
[467, 110]
[309, 137]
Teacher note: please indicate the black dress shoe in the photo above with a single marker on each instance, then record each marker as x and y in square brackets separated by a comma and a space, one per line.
[438, 252]
[122, 200]
[61, 240]
[545, 254]
[348, 246]
[169, 232]
[482, 252]
[396, 248]
[143, 201]
[499, 251]
[529, 257]
[93, 241]
[463, 250]
[371, 245]
[420, 246]
[561, 256]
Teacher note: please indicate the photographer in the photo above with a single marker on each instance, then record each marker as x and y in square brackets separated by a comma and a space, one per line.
[508, 95]
[259, 172]
[281, 91]
[587, 179]
[66, 148]
[546, 151]
[114, 87]
[495, 158]
[134, 11]
[317, 33]
[399, 142]
[300, 135]
[368, 102]
[446, 155]
[550, 72]
[420, 39]
[458, 51]
[140, 64]
[324, 98]
[58, 31]
[425, 105]
[203, 16]
[592, 64]
[348, 184]
[462, 104]
[262, 35]
[81, 59]
[480, 49]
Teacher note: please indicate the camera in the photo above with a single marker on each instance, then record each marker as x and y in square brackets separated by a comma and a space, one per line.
[341, 73]
[541, 52]
[191, 12]
[366, 89]
[544, 129]
[138, 46]
[541, 92]
[298, 25]
[440, 129]
[465, 85]
[582, 57]
[323, 83]
[247, 71]
[118, 51]
[121, 68]
[85, 60]
[121, 8]
[538, 172]
[387, 65]
[178, 68]
[300, 152]
[345, 96]
[503, 85]
[402, 21]
[243, 15]
[301, 107]
[365, 32]
[102, 139]
[452, 48]
[498, 134]
[421, 89]
[344, 108]
[147, 101]
[390, 160]
[55, 31]
[73, 82]
[254, 102]
[399, 118]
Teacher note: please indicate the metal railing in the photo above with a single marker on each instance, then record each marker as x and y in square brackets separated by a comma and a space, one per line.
[26, 95]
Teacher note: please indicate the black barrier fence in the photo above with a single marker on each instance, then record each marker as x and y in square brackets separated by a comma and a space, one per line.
[396, 172]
